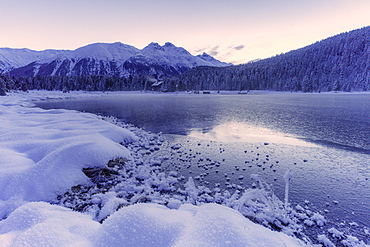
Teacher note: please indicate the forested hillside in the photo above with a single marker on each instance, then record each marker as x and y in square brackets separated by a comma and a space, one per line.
[339, 63]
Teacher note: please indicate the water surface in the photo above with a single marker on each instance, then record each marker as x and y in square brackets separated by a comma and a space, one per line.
[342, 120]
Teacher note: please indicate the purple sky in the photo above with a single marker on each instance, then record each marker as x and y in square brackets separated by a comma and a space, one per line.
[234, 31]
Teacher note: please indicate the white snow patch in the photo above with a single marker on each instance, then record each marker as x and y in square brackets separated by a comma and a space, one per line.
[206, 225]
[43, 151]
[42, 224]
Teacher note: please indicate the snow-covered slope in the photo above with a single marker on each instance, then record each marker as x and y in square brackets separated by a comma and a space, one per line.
[178, 56]
[15, 58]
[101, 51]
[208, 58]
[114, 59]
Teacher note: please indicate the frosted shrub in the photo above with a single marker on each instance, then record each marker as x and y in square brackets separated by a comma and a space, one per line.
[352, 241]
[335, 233]
[288, 175]
[255, 204]
[263, 206]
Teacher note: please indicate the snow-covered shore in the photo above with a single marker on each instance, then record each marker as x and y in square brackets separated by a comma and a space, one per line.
[44, 154]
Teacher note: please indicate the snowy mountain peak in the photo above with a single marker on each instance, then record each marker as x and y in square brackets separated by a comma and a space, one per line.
[205, 57]
[169, 44]
[166, 48]
[153, 46]
[171, 47]
[116, 59]
[208, 58]
[105, 51]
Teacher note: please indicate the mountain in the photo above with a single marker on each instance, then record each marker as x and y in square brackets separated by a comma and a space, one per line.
[115, 59]
[338, 63]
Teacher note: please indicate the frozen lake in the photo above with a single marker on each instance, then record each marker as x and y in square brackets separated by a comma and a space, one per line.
[322, 138]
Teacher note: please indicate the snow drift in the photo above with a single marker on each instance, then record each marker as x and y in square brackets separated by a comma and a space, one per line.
[43, 152]
[42, 224]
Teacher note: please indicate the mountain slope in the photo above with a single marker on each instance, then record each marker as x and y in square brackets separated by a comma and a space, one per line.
[114, 59]
[338, 63]
[15, 58]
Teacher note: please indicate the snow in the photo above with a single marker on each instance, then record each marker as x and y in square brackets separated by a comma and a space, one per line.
[98, 51]
[42, 224]
[178, 56]
[14, 58]
[287, 177]
[206, 225]
[335, 233]
[209, 58]
[167, 54]
[325, 241]
[115, 51]
[45, 150]
[43, 156]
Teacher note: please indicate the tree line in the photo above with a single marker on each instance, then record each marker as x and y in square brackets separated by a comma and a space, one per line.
[74, 83]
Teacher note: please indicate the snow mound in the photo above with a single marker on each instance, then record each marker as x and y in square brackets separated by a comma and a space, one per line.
[42, 224]
[44, 151]
[206, 225]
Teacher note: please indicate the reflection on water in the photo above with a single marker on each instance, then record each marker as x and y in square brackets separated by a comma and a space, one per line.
[243, 132]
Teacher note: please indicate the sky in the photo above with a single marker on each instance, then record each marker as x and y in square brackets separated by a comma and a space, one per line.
[235, 31]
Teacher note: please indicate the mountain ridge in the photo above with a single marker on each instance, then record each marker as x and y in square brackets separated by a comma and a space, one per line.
[102, 59]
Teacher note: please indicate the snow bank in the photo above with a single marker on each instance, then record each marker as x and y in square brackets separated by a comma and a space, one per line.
[206, 225]
[42, 224]
[43, 151]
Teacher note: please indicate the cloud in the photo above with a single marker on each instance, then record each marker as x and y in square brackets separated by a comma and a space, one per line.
[200, 50]
[239, 47]
[235, 54]
[213, 51]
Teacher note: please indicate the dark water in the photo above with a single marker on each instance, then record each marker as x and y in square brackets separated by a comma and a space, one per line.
[323, 138]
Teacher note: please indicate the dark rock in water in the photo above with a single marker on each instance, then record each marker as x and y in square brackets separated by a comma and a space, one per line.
[102, 174]
[98, 174]
[76, 189]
